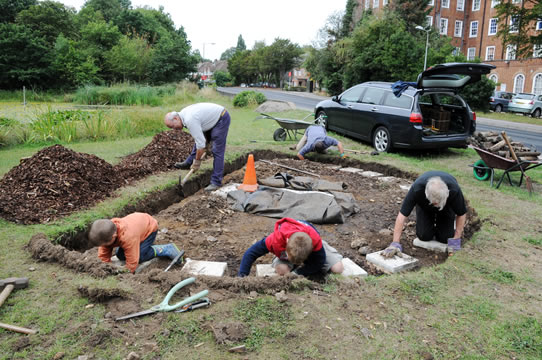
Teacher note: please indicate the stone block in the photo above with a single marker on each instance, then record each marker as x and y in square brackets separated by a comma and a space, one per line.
[405, 187]
[224, 190]
[352, 269]
[386, 179]
[432, 245]
[198, 267]
[393, 265]
[351, 170]
[265, 270]
[371, 174]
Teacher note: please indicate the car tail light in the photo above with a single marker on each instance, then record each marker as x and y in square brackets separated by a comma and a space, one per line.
[491, 99]
[416, 118]
[531, 102]
[473, 116]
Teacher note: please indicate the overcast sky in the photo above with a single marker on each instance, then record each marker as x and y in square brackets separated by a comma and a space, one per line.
[221, 22]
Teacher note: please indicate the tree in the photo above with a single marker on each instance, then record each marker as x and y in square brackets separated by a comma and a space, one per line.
[172, 60]
[110, 9]
[50, 19]
[71, 67]
[283, 55]
[413, 12]
[241, 46]
[226, 55]
[222, 78]
[25, 58]
[97, 38]
[146, 22]
[129, 59]
[10, 8]
[347, 23]
[517, 26]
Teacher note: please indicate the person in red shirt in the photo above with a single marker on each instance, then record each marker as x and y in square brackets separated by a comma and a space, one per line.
[133, 236]
[297, 247]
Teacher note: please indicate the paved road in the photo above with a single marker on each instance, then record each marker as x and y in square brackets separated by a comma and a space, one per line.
[527, 134]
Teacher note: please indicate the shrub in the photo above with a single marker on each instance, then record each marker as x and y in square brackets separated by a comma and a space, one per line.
[477, 95]
[123, 95]
[250, 97]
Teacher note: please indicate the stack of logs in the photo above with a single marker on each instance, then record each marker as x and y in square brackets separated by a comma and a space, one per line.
[494, 143]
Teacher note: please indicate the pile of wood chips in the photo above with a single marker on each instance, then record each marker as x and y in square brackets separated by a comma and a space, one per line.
[493, 142]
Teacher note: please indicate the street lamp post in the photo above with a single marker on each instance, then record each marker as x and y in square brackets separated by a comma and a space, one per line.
[209, 43]
[426, 44]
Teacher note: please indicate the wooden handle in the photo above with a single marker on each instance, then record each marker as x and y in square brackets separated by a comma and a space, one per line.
[186, 177]
[5, 293]
[509, 146]
[17, 329]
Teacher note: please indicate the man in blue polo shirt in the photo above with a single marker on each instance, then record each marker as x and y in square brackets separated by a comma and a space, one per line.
[316, 139]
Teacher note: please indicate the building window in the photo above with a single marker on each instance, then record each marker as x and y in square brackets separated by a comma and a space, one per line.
[456, 51]
[367, 4]
[475, 5]
[511, 52]
[493, 26]
[375, 4]
[458, 28]
[429, 21]
[473, 29]
[471, 53]
[516, 1]
[519, 80]
[460, 5]
[385, 2]
[443, 26]
[537, 51]
[490, 53]
[514, 22]
[495, 3]
[537, 84]
[446, 4]
[539, 25]
[431, 2]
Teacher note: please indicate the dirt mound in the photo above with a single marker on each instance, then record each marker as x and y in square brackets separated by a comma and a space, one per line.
[57, 181]
[42, 249]
[165, 149]
[54, 182]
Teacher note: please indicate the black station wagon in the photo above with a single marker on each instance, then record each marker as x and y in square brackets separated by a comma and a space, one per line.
[429, 115]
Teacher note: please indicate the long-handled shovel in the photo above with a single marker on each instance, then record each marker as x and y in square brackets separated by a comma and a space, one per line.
[528, 181]
[185, 179]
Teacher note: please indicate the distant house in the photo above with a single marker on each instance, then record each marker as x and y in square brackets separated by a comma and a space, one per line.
[208, 68]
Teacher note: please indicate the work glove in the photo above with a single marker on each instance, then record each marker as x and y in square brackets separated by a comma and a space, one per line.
[195, 165]
[454, 245]
[395, 248]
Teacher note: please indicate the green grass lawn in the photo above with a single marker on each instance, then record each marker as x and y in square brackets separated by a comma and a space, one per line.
[483, 303]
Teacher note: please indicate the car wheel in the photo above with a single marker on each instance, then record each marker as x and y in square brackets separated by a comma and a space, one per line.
[382, 139]
[536, 113]
[321, 119]
[498, 108]
[279, 134]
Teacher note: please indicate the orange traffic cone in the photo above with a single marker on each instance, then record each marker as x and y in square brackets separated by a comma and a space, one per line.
[249, 182]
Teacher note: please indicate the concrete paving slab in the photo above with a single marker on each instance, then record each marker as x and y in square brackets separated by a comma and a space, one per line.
[386, 179]
[224, 190]
[371, 174]
[393, 265]
[198, 267]
[334, 167]
[265, 270]
[432, 245]
[405, 187]
[351, 170]
[352, 269]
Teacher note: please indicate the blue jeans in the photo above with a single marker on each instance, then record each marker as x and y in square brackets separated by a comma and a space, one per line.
[146, 252]
[217, 135]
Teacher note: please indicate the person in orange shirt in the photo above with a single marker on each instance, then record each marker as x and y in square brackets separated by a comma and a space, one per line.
[133, 236]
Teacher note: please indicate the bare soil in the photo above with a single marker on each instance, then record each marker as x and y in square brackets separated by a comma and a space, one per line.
[207, 229]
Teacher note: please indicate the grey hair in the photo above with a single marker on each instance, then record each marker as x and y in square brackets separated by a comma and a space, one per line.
[436, 191]
[171, 115]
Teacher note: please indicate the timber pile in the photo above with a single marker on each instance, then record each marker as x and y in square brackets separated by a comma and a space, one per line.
[493, 142]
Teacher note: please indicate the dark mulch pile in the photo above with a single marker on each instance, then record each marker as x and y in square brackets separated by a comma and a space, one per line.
[57, 181]
[164, 150]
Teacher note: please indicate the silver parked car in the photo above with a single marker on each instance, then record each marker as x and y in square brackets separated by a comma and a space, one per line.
[527, 104]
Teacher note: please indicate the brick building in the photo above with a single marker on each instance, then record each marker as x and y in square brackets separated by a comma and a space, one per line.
[473, 25]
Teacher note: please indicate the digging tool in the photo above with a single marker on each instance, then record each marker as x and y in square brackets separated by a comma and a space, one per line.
[528, 181]
[7, 286]
[185, 179]
[291, 168]
[174, 261]
[356, 151]
[164, 305]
